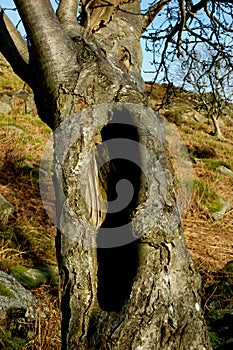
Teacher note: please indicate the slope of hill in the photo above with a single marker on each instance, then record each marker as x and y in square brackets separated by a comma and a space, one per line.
[209, 241]
[27, 238]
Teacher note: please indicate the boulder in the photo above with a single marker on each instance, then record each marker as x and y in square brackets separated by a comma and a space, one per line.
[218, 215]
[15, 129]
[6, 99]
[200, 118]
[224, 171]
[17, 307]
[175, 117]
[6, 209]
[4, 108]
[28, 98]
[29, 277]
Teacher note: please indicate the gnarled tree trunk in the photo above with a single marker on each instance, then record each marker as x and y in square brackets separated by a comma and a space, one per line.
[142, 294]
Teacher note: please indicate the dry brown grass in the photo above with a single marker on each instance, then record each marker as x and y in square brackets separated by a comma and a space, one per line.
[27, 238]
[210, 243]
[46, 329]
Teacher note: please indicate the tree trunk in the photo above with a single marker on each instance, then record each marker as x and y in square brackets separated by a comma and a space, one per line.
[127, 280]
[217, 130]
[144, 294]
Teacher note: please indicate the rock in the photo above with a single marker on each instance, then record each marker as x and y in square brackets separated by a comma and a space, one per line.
[27, 97]
[6, 99]
[4, 108]
[16, 129]
[17, 307]
[6, 209]
[200, 118]
[34, 277]
[184, 118]
[218, 215]
[175, 117]
[224, 171]
[30, 106]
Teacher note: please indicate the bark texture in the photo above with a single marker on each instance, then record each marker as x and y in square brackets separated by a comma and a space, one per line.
[143, 295]
[156, 306]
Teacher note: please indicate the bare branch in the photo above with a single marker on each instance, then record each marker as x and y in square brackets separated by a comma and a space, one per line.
[53, 48]
[181, 27]
[149, 16]
[214, 19]
[14, 48]
[67, 16]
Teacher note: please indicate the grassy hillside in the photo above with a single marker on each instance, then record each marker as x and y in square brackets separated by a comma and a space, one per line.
[27, 238]
[209, 241]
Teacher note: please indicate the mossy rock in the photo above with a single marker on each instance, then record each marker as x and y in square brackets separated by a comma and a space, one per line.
[175, 117]
[215, 205]
[6, 209]
[30, 278]
[18, 312]
[6, 292]
[26, 277]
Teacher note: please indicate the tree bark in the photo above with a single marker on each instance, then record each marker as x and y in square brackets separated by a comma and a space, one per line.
[155, 303]
[143, 294]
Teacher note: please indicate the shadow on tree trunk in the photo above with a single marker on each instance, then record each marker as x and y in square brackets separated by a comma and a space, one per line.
[117, 266]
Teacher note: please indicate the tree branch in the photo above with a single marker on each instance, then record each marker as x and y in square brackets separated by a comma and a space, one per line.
[53, 48]
[150, 15]
[14, 48]
[67, 16]
[182, 24]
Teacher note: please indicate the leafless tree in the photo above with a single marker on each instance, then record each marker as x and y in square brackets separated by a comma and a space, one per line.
[209, 74]
[143, 295]
[181, 28]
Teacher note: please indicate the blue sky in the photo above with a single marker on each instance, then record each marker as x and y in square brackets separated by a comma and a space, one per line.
[13, 15]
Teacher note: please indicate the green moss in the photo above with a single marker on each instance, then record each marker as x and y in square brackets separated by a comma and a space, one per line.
[214, 164]
[10, 82]
[11, 343]
[29, 278]
[214, 339]
[20, 272]
[187, 129]
[19, 269]
[207, 196]
[6, 292]
[194, 125]
[205, 192]
[215, 205]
